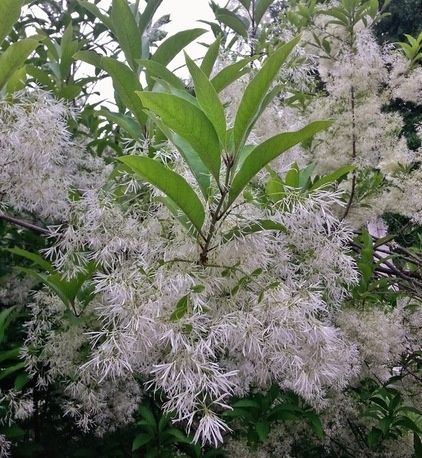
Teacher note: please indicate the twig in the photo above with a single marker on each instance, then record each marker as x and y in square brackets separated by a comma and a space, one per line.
[25, 224]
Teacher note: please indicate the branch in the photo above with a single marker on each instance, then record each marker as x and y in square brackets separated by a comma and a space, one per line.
[354, 152]
[25, 224]
[410, 281]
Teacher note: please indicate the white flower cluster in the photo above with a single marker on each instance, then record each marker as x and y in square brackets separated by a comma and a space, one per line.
[258, 312]
[405, 81]
[39, 162]
[380, 335]
[33, 144]
[16, 405]
[356, 79]
[359, 79]
[4, 447]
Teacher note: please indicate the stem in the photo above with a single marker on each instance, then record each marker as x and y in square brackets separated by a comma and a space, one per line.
[412, 374]
[36, 417]
[203, 258]
[342, 447]
[217, 214]
[253, 31]
[354, 153]
[26, 225]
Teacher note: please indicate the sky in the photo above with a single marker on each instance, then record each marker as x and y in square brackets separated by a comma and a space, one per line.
[184, 14]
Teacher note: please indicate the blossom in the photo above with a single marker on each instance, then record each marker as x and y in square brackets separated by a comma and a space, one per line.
[257, 314]
[5, 446]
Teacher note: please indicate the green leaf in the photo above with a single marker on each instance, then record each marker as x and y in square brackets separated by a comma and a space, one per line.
[41, 76]
[17, 81]
[9, 354]
[20, 381]
[285, 411]
[125, 81]
[407, 409]
[246, 3]
[380, 402]
[292, 178]
[252, 438]
[126, 31]
[231, 73]
[182, 308]
[275, 188]
[90, 57]
[5, 372]
[256, 92]
[314, 422]
[384, 425]
[238, 413]
[305, 175]
[140, 440]
[208, 99]
[146, 413]
[67, 50]
[332, 177]
[268, 151]
[14, 57]
[417, 445]
[198, 168]
[338, 14]
[13, 431]
[147, 15]
[172, 184]
[67, 290]
[175, 44]
[263, 429]
[197, 289]
[183, 94]
[260, 225]
[10, 11]
[366, 271]
[246, 403]
[260, 9]
[45, 265]
[371, 414]
[69, 92]
[164, 421]
[93, 9]
[160, 71]
[233, 21]
[408, 424]
[124, 121]
[284, 415]
[374, 7]
[211, 56]
[190, 123]
[146, 427]
[374, 438]
[178, 435]
[216, 29]
[51, 282]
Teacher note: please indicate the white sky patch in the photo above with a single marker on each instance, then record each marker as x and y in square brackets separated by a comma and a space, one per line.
[184, 14]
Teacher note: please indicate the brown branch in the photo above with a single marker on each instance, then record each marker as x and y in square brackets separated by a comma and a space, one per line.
[354, 153]
[25, 224]
[405, 279]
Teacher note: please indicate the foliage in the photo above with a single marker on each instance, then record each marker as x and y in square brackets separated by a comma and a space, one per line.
[403, 18]
[259, 412]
